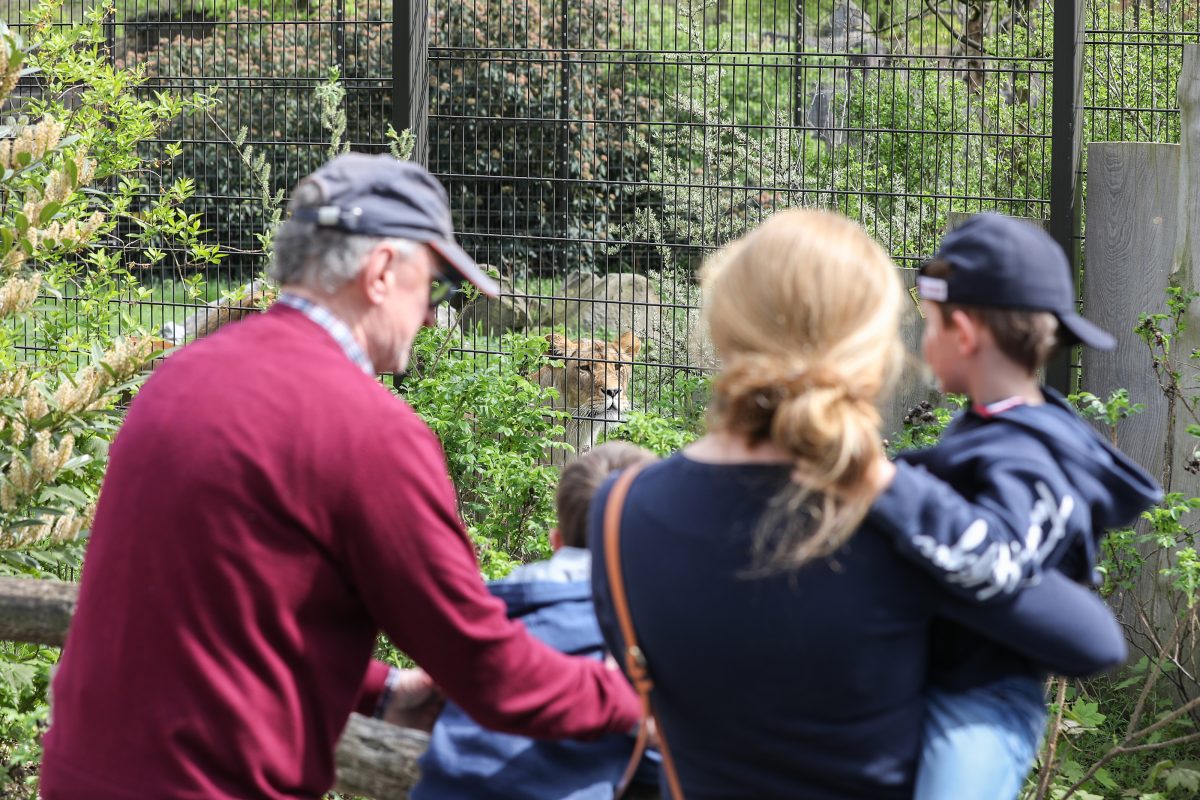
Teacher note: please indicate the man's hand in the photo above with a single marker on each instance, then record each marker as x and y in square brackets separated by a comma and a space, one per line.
[414, 701]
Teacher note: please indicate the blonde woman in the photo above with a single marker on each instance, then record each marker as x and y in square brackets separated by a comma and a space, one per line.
[786, 637]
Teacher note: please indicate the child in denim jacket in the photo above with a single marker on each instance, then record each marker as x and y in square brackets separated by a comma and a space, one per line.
[553, 599]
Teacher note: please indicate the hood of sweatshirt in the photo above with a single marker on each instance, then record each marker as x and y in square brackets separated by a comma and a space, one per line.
[1113, 486]
[553, 599]
[1083, 486]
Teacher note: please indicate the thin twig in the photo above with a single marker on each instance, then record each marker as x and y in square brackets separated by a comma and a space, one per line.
[1048, 765]
[962, 37]
[1122, 750]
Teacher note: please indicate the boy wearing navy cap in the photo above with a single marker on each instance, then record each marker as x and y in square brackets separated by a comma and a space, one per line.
[998, 300]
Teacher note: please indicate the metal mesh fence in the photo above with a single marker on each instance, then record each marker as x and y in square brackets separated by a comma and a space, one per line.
[600, 150]
[262, 62]
[595, 151]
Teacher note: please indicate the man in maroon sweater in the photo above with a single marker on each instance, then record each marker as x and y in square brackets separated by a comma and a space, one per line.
[268, 508]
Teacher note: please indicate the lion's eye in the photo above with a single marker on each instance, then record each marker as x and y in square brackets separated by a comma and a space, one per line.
[586, 368]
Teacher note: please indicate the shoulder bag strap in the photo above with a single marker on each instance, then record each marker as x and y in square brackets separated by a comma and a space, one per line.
[635, 661]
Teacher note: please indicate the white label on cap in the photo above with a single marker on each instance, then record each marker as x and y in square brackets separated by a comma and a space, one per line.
[934, 289]
[329, 215]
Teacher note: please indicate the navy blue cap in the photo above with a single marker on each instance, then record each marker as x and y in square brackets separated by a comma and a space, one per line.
[1000, 262]
[382, 196]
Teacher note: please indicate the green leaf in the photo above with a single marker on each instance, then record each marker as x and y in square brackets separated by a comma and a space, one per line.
[68, 494]
[48, 213]
[1183, 778]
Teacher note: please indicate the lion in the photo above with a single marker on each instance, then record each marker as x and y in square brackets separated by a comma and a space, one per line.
[249, 299]
[592, 379]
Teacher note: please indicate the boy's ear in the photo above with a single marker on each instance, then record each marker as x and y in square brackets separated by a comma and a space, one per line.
[966, 331]
[556, 540]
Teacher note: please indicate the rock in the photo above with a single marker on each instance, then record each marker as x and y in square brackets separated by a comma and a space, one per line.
[605, 305]
[827, 110]
[1030, 91]
[848, 30]
[446, 317]
[498, 315]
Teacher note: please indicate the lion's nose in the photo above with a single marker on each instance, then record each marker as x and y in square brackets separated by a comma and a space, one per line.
[612, 393]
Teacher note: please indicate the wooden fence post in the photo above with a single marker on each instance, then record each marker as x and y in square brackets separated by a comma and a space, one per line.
[1143, 209]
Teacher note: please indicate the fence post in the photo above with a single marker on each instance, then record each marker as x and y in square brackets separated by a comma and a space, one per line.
[562, 187]
[1143, 207]
[799, 109]
[410, 73]
[1066, 141]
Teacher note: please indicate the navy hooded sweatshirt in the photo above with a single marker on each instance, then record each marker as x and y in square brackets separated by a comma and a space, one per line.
[1061, 487]
[809, 684]
[554, 601]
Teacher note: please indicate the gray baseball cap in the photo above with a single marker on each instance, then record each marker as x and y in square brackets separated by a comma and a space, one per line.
[381, 196]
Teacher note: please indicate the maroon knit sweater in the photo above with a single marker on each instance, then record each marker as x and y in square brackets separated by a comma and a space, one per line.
[267, 510]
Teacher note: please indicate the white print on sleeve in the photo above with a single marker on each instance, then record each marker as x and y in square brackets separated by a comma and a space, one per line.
[996, 567]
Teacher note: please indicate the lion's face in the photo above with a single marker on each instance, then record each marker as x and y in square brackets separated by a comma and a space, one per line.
[591, 375]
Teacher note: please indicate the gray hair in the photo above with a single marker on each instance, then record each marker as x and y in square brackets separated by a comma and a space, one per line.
[322, 259]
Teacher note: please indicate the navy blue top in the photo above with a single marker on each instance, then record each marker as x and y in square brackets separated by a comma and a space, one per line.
[1062, 487]
[805, 684]
[554, 601]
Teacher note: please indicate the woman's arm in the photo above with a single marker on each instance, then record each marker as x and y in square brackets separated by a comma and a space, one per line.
[1056, 623]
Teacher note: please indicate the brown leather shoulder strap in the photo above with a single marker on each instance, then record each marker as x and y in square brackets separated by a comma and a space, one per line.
[635, 660]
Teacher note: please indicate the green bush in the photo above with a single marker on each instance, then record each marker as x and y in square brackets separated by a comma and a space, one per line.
[496, 101]
[276, 109]
[493, 128]
[496, 431]
[71, 227]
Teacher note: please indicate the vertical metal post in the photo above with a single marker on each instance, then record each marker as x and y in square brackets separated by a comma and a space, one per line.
[1065, 148]
[340, 39]
[563, 190]
[410, 73]
[799, 101]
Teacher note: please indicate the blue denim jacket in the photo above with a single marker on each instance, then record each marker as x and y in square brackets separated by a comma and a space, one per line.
[554, 600]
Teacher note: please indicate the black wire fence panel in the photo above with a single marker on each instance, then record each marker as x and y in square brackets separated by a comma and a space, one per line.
[1132, 57]
[596, 151]
[263, 62]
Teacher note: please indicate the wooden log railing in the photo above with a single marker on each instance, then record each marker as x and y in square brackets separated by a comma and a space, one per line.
[374, 759]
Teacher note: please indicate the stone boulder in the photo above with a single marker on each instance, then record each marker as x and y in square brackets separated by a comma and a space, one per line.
[596, 305]
[495, 316]
[848, 29]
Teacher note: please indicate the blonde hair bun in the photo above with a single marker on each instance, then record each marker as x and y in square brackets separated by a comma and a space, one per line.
[804, 313]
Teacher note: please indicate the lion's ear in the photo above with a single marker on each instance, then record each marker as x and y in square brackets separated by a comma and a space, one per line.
[558, 345]
[629, 343]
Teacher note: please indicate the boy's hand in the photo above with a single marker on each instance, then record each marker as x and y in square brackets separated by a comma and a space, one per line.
[414, 702]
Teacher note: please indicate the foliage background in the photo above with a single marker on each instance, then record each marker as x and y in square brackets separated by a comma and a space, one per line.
[583, 135]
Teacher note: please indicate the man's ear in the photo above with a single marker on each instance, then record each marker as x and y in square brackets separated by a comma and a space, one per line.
[966, 331]
[556, 540]
[374, 276]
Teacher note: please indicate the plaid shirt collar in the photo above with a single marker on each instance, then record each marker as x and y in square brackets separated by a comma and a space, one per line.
[332, 325]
